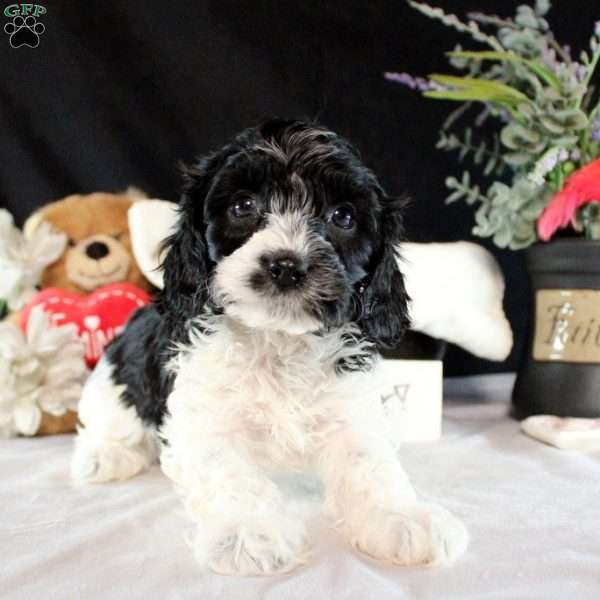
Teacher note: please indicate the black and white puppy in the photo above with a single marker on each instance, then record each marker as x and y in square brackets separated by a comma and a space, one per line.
[279, 282]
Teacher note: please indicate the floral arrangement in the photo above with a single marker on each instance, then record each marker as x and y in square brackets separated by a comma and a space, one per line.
[23, 259]
[41, 370]
[534, 125]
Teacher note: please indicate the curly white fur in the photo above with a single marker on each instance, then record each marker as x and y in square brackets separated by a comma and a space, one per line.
[246, 401]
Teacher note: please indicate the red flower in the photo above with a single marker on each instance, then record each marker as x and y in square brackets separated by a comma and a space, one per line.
[583, 186]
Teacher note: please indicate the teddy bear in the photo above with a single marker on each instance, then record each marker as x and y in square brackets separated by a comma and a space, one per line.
[98, 249]
[95, 257]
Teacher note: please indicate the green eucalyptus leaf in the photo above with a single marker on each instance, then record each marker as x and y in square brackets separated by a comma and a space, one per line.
[527, 110]
[552, 126]
[472, 195]
[503, 237]
[524, 243]
[542, 7]
[490, 165]
[526, 17]
[509, 138]
[498, 194]
[454, 196]
[521, 229]
[566, 141]
[572, 118]
[516, 201]
[517, 159]
[517, 137]
[481, 217]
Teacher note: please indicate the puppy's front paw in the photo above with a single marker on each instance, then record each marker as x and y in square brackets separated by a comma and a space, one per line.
[263, 549]
[417, 534]
[109, 462]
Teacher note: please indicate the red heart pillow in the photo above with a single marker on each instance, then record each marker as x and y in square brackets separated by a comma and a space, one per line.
[99, 316]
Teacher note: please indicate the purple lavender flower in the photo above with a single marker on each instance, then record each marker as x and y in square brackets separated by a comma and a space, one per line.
[414, 83]
[581, 72]
[595, 127]
[548, 56]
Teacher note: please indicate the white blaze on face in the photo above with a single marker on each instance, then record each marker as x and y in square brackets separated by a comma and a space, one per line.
[231, 286]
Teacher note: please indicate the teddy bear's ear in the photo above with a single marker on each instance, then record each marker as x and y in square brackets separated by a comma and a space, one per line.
[150, 223]
[135, 193]
[32, 223]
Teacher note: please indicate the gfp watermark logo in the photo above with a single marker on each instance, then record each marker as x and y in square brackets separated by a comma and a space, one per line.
[24, 28]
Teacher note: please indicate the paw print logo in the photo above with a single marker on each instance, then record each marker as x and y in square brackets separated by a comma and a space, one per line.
[24, 31]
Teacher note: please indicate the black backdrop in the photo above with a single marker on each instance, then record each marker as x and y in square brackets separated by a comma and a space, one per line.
[118, 91]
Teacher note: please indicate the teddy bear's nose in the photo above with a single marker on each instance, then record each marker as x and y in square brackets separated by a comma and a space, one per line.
[97, 250]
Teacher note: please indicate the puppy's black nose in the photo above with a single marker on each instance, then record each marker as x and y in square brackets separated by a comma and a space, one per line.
[287, 272]
[97, 250]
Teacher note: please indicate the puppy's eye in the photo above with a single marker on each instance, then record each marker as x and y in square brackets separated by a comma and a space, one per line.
[243, 208]
[117, 236]
[343, 217]
[71, 242]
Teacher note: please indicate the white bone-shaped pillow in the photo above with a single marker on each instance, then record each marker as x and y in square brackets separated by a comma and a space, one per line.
[456, 291]
[456, 288]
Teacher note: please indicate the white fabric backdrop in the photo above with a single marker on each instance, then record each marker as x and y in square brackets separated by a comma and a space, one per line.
[533, 513]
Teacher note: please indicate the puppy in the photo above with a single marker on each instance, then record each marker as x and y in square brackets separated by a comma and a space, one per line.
[280, 281]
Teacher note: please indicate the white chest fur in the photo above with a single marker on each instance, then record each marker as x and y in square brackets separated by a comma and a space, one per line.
[275, 393]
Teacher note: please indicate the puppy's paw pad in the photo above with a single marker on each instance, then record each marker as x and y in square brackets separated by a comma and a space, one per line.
[248, 552]
[418, 534]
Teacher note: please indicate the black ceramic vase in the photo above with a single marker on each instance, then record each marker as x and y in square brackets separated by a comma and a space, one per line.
[560, 374]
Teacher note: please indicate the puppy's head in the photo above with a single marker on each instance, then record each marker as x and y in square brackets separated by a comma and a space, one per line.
[286, 229]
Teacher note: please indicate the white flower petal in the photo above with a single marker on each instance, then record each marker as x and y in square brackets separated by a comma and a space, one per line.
[28, 419]
[46, 369]
[12, 342]
[44, 246]
[52, 407]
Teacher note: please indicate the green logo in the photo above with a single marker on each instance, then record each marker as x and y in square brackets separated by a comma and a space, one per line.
[24, 29]
[22, 10]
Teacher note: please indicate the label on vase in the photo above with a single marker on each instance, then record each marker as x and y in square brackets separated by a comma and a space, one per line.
[567, 326]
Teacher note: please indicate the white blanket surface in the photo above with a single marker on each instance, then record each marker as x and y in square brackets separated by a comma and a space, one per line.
[533, 513]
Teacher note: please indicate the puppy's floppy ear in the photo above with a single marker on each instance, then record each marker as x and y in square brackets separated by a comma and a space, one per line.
[384, 316]
[186, 265]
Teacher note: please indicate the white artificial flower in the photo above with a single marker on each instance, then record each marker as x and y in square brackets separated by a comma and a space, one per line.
[22, 260]
[546, 163]
[42, 371]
